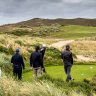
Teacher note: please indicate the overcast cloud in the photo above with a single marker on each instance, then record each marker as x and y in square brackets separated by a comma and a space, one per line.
[18, 10]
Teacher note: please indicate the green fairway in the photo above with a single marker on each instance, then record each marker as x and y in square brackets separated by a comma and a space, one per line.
[75, 32]
[79, 72]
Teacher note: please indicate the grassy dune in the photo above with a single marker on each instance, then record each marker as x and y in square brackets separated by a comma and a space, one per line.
[53, 31]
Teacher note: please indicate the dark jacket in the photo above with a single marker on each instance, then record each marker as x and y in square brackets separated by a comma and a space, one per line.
[36, 59]
[67, 57]
[42, 51]
[17, 61]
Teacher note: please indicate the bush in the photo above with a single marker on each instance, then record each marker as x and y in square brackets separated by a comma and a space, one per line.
[1, 91]
[5, 63]
[19, 42]
[53, 52]
[4, 49]
[20, 32]
[11, 51]
[52, 57]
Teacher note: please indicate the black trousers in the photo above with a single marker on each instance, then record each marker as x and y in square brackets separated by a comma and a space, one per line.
[17, 73]
[67, 69]
[42, 66]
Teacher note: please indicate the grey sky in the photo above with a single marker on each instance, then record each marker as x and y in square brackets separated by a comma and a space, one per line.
[18, 10]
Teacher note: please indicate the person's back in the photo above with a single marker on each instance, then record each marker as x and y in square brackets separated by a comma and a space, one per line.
[36, 59]
[67, 57]
[68, 61]
[17, 61]
[18, 64]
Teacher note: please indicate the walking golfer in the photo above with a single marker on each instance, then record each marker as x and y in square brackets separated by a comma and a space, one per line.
[18, 64]
[68, 62]
[36, 61]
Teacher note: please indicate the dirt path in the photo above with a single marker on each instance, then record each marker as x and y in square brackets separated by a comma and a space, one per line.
[61, 44]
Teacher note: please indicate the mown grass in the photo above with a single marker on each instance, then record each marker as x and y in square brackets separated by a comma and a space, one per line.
[79, 72]
[75, 32]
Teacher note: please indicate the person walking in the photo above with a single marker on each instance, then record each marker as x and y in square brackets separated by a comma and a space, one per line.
[36, 61]
[68, 62]
[42, 51]
[18, 64]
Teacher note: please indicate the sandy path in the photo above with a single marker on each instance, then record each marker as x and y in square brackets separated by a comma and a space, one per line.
[61, 44]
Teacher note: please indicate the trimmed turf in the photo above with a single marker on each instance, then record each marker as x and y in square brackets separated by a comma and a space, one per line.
[75, 32]
[79, 72]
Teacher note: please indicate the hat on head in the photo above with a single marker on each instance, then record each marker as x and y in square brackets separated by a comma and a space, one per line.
[43, 45]
[17, 49]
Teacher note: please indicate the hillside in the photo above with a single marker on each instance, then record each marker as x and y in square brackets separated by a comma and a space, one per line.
[40, 22]
[46, 22]
[60, 28]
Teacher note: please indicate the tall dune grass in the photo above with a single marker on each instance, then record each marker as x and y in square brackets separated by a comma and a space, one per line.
[84, 47]
[23, 42]
[10, 87]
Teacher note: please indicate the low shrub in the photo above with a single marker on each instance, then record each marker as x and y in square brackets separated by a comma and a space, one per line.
[20, 32]
[5, 63]
[4, 49]
[52, 57]
[11, 51]
[19, 42]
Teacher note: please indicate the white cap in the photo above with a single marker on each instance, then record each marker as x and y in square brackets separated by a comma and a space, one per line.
[43, 45]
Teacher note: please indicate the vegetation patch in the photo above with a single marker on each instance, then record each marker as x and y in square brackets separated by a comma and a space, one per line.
[45, 86]
[20, 32]
[6, 50]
